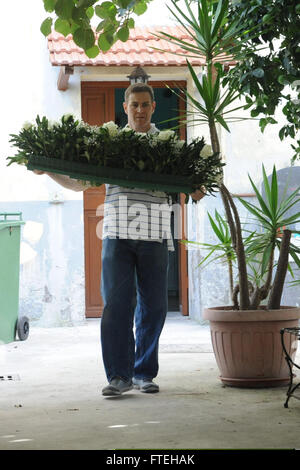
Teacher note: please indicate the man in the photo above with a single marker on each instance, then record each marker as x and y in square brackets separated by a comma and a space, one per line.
[132, 262]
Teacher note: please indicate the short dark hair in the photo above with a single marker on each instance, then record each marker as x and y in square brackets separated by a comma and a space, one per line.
[139, 88]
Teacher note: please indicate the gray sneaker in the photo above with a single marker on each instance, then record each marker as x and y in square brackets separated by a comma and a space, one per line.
[145, 385]
[117, 386]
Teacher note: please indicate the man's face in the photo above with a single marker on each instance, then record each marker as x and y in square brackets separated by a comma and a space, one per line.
[139, 110]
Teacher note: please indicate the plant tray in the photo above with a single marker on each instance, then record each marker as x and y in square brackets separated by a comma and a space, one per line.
[119, 176]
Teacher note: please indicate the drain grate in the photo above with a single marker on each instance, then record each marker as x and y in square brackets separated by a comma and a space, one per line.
[9, 377]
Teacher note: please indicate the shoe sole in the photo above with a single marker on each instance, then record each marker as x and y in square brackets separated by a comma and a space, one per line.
[112, 392]
[151, 389]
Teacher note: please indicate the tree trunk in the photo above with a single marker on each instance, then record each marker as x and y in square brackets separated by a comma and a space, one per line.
[235, 227]
[283, 260]
[240, 253]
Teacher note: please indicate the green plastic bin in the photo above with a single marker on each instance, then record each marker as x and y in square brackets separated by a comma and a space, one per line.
[10, 235]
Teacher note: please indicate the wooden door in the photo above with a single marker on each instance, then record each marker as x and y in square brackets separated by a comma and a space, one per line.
[98, 106]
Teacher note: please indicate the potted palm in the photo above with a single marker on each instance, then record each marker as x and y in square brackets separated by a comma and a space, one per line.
[246, 334]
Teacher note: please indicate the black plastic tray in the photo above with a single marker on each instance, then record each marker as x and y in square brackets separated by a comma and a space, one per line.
[119, 176]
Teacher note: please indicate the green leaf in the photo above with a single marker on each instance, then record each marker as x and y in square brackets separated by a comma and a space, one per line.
[63, 8]
[195, 79]
[62, 26]
[283, 80]
[205, 20]
[46, 26]
[105, 41]
[74, 27]
[90, 12]
[140, 8]
[262, 124]
[293, 219]
[215, 228]
[274, 190]
[222, 121]
[264, 208]
[92, 52]
[49, 5]
[281, 133]
[84, 38]
[265, 259]
[255, 112]
[106, 10]
[79, 15]
[266, 185]
[85, 3]
[287, 203]
[295, 258]
[251, 208]
[220, 16]
[131, 23]
[124, 3]
[286, 208]
[101, 25]
[123, 33]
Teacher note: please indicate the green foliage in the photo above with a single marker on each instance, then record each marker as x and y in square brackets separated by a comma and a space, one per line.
[263, 37]
[74, 16]
[109, 146]
[221, 251]
[277, 26]
[269, 216]
[46, 26]
[223, 30]
[272, 217]
[213, 37]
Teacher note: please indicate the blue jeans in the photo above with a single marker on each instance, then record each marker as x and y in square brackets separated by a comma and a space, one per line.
[129, 266]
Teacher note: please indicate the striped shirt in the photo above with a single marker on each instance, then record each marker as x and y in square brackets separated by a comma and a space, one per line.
[137, 214]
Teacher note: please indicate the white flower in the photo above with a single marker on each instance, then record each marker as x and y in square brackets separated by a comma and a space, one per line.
[179, 144]
[206, 151]
[27, 125]
[219, 178]
[165, 135]
[111, 127]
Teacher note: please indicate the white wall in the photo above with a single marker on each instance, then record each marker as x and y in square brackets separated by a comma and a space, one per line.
[245, 148]
[28, 88]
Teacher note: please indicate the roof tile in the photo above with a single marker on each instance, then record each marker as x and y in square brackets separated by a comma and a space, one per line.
[140, 49]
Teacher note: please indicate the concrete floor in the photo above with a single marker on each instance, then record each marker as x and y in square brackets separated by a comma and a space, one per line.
[57, 403]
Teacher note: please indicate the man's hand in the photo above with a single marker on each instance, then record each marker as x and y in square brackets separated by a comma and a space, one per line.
[198, 194]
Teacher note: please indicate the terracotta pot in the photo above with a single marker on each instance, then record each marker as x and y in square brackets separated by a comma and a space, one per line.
[247, 344]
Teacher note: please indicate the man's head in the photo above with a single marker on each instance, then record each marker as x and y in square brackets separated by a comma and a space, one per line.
[139, 106]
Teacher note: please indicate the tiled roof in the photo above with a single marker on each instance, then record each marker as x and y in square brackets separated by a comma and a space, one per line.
[138, 50]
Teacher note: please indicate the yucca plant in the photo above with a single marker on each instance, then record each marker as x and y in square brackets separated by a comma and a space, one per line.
[272, 215]
[269, 216]
[222, 41]
[220, 252]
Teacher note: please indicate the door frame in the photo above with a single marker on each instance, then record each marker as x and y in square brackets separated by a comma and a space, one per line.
[88, 87]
